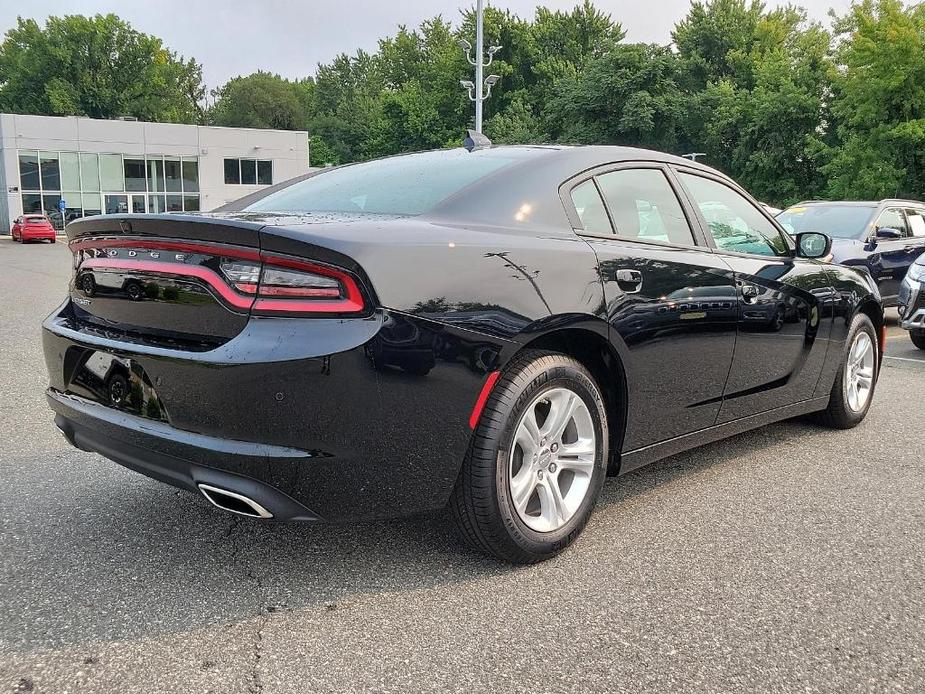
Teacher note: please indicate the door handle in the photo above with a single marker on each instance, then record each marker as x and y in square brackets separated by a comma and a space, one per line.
[630, 281]
[749, 293]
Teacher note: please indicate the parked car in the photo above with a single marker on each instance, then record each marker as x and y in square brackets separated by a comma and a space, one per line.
[912, 302]
[491, 332]
[883, 237]
[32, 227]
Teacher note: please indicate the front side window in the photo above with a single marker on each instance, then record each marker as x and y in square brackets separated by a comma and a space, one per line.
[590, 209]
[892, 218]
[644, 206]
[734, 223]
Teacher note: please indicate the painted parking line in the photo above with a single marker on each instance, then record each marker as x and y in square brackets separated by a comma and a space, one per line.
[917, 361]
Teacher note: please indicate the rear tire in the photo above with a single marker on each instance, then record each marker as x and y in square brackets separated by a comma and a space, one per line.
[850, 398]
[918, 338]
[542, 439]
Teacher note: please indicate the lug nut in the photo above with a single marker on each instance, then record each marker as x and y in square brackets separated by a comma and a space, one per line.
[554, 447]
[539, 474]
[552, 467]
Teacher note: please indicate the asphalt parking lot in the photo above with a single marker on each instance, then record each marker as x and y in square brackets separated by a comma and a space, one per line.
[790, 558]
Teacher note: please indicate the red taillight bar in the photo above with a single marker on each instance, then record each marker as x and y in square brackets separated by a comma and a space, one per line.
[279, 303]
[483, 398]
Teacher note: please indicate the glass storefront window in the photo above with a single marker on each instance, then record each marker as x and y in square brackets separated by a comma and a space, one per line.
[155, 175]
[28, 171]
[265, 173]
[31, 203]
[51, 174]
[111, 173]
[112, 183]
[134, 174]
[116, 204]
[70, 170]
[73, 208]
[92, 203]
[157, 203]
[190, 176]
[172, 175]
[89, 172]
[50, 207]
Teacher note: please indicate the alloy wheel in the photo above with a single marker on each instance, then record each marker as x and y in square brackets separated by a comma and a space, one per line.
[552, 459]
[859, 372]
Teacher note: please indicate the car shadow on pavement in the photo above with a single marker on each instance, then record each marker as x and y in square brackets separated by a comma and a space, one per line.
[135, 558]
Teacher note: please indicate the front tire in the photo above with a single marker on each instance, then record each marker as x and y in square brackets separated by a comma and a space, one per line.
[853, 390]
[536, 463]
[918, 338]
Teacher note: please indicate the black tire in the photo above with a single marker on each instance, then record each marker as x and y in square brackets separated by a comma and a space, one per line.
[481, 503]
[918, 338]
[839, 414]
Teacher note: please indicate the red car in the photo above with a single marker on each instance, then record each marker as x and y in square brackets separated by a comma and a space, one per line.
[32, 227]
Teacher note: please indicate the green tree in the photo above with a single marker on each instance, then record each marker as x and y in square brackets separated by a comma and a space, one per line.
[629, 95]
[879, 102]
[263, 100]
[99, 67]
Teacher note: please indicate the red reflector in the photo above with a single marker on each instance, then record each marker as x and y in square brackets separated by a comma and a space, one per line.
[483, 398]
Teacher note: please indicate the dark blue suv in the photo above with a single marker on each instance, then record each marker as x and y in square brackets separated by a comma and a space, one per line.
[885, 237]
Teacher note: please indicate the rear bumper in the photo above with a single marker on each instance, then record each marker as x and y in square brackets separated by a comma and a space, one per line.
[297, 415]
[176, 457]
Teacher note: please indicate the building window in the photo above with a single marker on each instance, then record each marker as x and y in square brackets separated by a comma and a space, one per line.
[29, 170]
[87, 183]
[134, 175]
[265, 173]
[249, 172]
[51, 174]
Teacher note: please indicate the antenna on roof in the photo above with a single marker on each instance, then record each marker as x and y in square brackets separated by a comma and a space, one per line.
[474, 140]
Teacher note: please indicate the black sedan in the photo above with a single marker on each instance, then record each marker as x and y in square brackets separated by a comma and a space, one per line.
[490, 331]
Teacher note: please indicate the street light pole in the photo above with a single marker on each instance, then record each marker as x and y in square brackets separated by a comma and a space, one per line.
[482, 86]
[479, 99]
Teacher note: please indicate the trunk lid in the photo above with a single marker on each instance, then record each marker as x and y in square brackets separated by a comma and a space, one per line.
[160, 277]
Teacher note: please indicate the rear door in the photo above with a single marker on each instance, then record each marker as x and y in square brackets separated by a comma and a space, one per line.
[784, 303]
[669, 301]
[915, 244]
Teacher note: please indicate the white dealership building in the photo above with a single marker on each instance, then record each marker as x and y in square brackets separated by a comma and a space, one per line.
[72, 167]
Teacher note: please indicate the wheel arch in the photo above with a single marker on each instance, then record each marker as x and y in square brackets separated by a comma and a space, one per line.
[596, 353]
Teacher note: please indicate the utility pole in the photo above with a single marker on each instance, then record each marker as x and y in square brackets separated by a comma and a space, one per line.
[482, 86]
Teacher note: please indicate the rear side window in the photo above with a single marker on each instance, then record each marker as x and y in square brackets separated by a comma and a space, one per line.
[404, 185]
[916, 219]
[644, 206]
[590, 208]
[735, 224]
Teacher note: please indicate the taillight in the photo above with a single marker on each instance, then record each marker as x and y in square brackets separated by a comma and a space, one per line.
[287, 286]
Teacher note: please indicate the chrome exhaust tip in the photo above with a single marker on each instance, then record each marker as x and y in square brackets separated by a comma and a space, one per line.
[233, 502]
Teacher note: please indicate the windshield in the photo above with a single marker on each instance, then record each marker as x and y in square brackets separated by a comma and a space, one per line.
[838, 221]
[404, 185]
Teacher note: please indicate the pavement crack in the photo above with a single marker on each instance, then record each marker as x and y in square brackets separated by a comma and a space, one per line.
[237, 558]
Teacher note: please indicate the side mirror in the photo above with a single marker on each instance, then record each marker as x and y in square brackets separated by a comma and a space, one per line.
[889, 233]
[812, 244]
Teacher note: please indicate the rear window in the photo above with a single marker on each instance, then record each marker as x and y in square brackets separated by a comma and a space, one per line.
[35, 218]
[406, 185]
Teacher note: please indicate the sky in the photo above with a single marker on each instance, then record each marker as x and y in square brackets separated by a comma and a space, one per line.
[290, 37]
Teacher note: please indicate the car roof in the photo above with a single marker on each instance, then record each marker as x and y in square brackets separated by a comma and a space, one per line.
[860, 203]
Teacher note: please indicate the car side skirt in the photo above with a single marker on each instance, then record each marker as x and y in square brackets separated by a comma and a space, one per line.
[633, 460]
